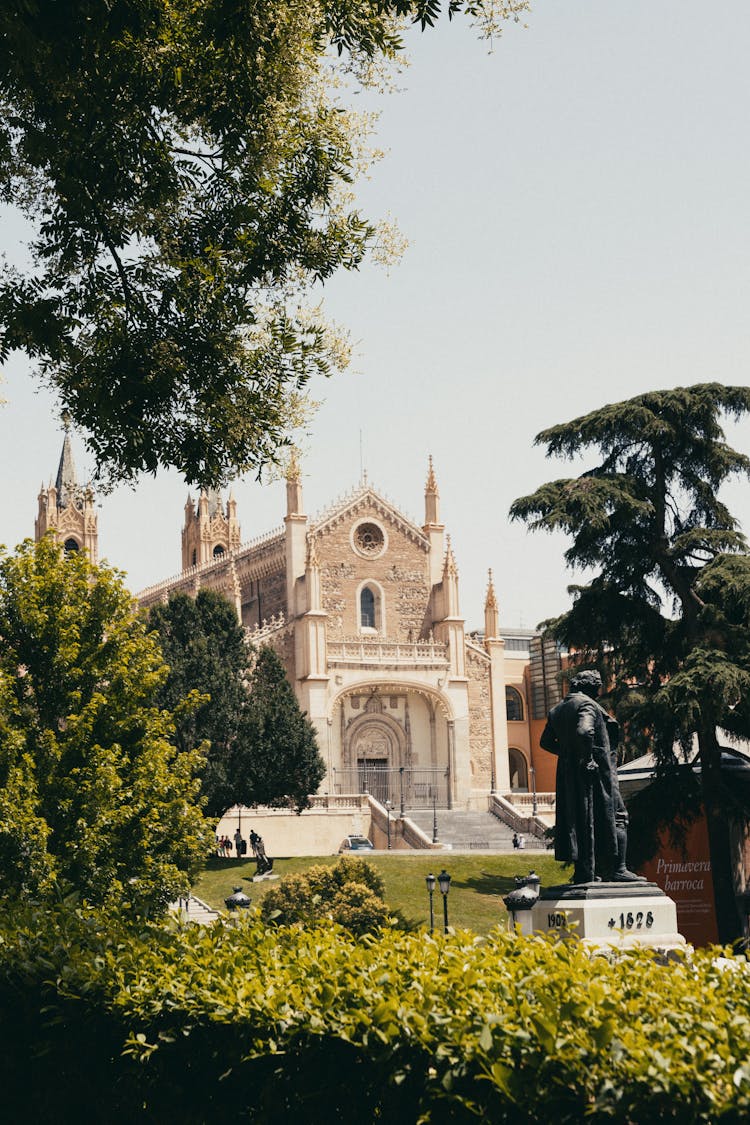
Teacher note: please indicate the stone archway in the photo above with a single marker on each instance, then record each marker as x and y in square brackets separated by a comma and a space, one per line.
[519, 771]
[376, 747]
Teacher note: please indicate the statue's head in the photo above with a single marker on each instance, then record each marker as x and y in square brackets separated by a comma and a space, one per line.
[589, 682]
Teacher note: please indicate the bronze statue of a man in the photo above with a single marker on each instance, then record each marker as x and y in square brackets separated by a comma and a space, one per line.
[591, 818]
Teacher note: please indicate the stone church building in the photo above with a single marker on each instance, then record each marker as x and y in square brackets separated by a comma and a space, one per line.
[363, 607]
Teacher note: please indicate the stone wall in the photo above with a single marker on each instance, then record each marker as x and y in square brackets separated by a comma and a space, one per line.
[401, 571]
[480, 718]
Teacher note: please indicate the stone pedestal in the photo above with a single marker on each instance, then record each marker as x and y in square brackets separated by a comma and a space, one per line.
[620, 915]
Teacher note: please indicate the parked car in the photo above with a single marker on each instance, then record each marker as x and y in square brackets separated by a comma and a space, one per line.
[356, 844]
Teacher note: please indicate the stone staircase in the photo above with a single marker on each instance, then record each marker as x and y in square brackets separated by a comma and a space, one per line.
[195, 910]
[466, 830]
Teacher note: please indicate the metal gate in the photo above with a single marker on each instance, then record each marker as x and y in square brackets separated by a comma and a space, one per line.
[405, 788]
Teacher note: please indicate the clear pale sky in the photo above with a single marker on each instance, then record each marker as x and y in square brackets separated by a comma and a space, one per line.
[577, 206]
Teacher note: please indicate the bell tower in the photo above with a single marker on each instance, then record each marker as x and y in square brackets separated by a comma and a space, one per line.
[67, 509]
[210, 530]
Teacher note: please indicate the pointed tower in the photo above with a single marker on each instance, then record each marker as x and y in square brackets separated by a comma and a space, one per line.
[209, 532]
[295, 523]
[448, 624]
[495, 648]
[310, 633]
[433, 528]
[67, 509]
[491, 615]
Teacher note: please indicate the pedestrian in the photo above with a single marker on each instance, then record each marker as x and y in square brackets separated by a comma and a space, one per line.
[522, 842]
[515, 840]
[238, 843]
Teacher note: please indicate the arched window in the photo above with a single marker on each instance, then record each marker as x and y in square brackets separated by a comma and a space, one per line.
[195, 556]
[519, 771]
[218, 551]
[367, 609]
[513, 705]
[70, 546]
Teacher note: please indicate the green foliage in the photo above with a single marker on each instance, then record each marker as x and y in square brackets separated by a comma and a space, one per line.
[313, 1024]
[667, 615]
[259, 747]
[279, 761]
[93, 795]
[477, 888]
[349, 893]
[205, 648]
[186, 166]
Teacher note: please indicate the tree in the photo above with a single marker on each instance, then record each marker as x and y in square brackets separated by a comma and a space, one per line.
[93, 795]
[187, 169]
[281, 760]
[666, 615]
[205, 647]
[259, 748]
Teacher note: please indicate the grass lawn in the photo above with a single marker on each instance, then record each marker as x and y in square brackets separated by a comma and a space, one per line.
[475, 902]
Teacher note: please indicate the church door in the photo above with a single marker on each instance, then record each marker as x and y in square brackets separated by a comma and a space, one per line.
[373, 777]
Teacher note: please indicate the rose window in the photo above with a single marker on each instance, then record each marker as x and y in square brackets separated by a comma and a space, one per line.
[369, 539]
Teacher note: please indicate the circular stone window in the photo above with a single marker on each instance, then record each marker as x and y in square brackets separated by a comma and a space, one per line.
[368, 540]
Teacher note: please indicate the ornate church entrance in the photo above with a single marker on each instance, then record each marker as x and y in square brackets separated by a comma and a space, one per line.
[404, 786]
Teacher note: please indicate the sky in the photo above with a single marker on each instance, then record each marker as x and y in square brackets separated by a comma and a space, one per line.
[577, 206]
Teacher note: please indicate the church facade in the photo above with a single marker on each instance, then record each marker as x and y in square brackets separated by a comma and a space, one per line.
[363, 607]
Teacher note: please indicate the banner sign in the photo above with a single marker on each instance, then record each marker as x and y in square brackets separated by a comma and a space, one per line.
[686, 877]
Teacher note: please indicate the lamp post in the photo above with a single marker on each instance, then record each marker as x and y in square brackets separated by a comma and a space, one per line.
[434, 817]
[532, 771]
[444, 882]
[401, 786]
[430, 880]
[388, 814]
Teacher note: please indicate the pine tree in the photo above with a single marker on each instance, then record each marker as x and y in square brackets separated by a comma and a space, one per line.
[666, 615]
[205, 647]
[282, 762]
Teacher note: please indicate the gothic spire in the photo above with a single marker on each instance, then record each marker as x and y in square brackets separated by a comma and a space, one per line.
[431, 499]
[66, 482]
[450, 570]
[491, 614]
[490, 601]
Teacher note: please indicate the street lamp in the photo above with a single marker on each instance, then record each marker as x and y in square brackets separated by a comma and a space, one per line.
[444, 882]
[430, 880]
[532, 771]
[434, 817]
[401, 784]
[388, 814]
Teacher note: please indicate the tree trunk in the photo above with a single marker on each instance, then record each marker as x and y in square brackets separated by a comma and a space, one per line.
[727, 914]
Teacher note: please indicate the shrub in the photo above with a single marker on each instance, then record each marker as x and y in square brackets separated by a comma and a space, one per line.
[324, 892]
[281, 1024]
[358, 910]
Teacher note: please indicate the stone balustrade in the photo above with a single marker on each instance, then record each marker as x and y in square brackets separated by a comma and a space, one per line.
[525, 801]
[410, 654]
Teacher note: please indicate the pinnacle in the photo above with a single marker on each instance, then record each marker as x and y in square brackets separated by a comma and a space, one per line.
[491, 599]
[312, 555]
[449, 567]
[431, 485]
[294, 470]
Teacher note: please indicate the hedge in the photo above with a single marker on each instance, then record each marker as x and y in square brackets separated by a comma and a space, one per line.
[281, 1025]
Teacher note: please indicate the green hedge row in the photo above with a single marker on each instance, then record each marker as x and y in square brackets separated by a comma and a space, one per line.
[313, 1026]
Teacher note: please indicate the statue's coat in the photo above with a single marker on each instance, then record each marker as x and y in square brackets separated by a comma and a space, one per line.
[578, 730]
